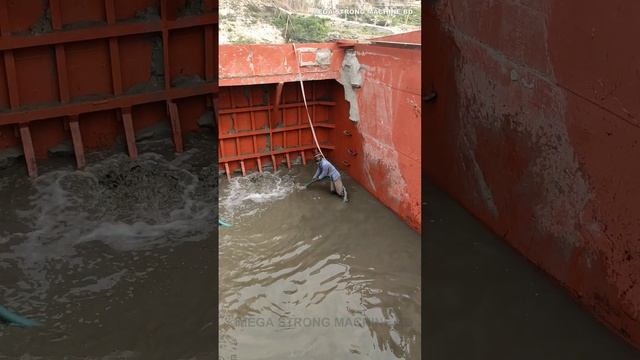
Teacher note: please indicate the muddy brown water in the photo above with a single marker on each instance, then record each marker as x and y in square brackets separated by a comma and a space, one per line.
[483, 300]
[305, 276]
[115, 261]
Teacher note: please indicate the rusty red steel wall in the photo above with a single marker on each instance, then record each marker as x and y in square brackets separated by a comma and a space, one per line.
[383, 152]
[267, 64]
[536, 130]
[262, 120]
[92, 70]
[266, 125]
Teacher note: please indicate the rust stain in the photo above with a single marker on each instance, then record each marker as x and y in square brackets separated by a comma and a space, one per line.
[533, 135]
[88, 65]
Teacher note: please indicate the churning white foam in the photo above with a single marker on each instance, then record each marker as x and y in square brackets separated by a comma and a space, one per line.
[248, 195]
[124, 204]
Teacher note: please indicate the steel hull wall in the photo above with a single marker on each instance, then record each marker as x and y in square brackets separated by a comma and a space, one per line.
[88, 72]
[266, 126]
[383, 151]
[535, 130]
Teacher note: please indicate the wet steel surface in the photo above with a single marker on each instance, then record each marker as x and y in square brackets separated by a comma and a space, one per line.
[485, 301]
[115, 261]
[305, 276]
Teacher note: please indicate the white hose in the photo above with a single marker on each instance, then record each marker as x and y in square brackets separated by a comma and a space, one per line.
[304, 98]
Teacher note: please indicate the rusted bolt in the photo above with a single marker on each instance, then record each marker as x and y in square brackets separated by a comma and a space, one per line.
[346, 163]
[352, 152]
[346, 133]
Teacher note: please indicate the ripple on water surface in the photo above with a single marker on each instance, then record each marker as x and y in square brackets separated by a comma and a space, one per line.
[303, 275]
[70, 237]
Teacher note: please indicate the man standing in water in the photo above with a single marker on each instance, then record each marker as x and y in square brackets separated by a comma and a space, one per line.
[326, 169]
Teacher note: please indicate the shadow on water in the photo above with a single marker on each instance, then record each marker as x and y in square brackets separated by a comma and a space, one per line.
[483, 300]
[305, 276]
[100, 256]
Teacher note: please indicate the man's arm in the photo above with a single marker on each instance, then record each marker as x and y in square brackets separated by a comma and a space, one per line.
[324, 172]
[316, 176]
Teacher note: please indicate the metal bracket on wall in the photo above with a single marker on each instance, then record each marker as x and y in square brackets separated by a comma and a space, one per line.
[76, 137]
[311, 56]
[129, 132]
[430, 97]
[174, 118]
[27, 148]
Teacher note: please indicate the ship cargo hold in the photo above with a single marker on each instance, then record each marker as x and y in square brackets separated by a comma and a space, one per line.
[304, 274]
[363, 100]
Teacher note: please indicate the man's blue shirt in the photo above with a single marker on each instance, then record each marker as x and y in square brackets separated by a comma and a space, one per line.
[325, 168]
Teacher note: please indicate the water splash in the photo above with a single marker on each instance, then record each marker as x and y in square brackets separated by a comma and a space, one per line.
[249, 195]
[77, 219]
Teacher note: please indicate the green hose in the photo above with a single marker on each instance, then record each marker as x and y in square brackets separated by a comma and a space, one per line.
[222, 223]
[10, 317]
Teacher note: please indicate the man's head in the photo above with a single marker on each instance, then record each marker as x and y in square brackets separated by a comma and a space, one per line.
[317, 156]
